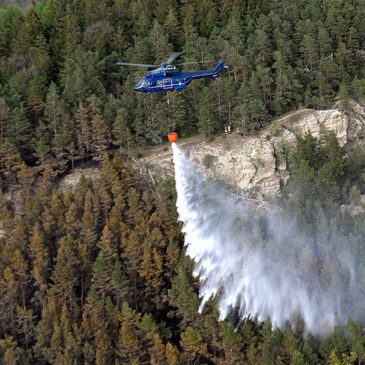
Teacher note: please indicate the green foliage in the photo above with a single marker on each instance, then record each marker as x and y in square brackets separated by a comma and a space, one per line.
[208, 161]
[318, 169]
[98, 274]
[57, 55]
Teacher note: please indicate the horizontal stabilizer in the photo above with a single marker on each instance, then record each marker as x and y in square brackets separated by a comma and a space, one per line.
[221, 66]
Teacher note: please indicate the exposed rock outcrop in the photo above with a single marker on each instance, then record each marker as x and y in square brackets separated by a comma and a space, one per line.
[256, 164]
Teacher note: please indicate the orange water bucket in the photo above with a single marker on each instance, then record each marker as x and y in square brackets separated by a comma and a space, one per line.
[172, 137]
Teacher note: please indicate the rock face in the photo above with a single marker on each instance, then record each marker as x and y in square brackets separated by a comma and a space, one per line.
[256, 165]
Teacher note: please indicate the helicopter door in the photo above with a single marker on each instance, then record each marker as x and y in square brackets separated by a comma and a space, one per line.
[167, 84]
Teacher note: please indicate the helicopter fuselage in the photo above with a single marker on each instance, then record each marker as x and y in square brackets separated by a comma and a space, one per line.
[167, 79]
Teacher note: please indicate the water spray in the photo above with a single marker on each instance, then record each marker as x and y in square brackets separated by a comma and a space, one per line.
[268, 278]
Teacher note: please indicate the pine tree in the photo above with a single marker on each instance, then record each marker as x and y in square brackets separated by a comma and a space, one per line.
[310, 53]
[42, 58]
[232, 342]
[121, 132]
[30, 29]
[20, 130]
[233, 33]
[207, 118]
[65, 275]
[20, 269]
[356, 339]
[72, 220]
[100, 135]
[172, 354]
[291, 345]
[171, 24]
[9, 292]
[54, 111]
[182, 297]
[69, 33]
[19, 236]
[10, 162]
[131, 254]
[108, 246]
[286, 83]
[4, 116]
[102, 276]
[159, 42]
[40, 262]
[193, 345]
[25, 325]
[157, 351]
[120, 285]
[10, 353]
[48, 331]
[129, 348]
[80, 78]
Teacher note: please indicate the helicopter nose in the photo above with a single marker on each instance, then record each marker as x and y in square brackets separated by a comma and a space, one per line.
[140, 86]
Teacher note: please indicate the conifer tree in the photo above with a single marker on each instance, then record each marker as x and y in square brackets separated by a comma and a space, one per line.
[157, 352]
[132, 254]
[4, 116]
[20, 130]
[19, 236]
[25, 325]
[9, 291]
[129, 348]
[9, 352]
[356, 339]
[101, 280]
[72, 220]
[232, 342]
[65, 275]
[120, 285]
[54, 110]
[121, 132]
[172, 354]
[193, 345]
[108, 245]
[182, 297]
[30, 29]
[20, 269]
[40, 262]
[100, 136]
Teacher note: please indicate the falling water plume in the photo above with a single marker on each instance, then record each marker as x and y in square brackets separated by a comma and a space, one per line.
[261, 263]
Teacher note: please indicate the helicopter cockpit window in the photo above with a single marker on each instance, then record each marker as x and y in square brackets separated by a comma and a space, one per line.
[143, 83]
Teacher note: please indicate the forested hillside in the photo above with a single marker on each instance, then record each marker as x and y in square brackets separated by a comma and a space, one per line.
[63, 99]
[99, 275]
[23, 4]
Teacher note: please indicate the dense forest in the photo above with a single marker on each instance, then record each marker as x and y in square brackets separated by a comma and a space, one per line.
[63, 99]
[99, 275]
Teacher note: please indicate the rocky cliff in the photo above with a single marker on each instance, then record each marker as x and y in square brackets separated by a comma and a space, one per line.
[256, 165]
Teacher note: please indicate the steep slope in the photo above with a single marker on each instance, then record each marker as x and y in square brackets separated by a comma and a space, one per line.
[257, 164]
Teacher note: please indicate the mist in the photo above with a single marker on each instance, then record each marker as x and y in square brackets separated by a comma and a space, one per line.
[260, 265]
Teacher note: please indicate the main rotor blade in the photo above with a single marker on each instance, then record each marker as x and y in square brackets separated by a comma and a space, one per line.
[193, 63]
[135, 64]
[173, 57]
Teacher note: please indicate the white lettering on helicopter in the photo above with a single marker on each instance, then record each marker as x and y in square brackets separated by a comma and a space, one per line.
[160, 84]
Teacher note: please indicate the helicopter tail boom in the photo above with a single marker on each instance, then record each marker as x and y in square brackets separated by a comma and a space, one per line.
[221, 65]
[213, 73]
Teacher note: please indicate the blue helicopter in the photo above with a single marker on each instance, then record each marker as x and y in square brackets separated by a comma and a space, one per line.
[167, 77]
